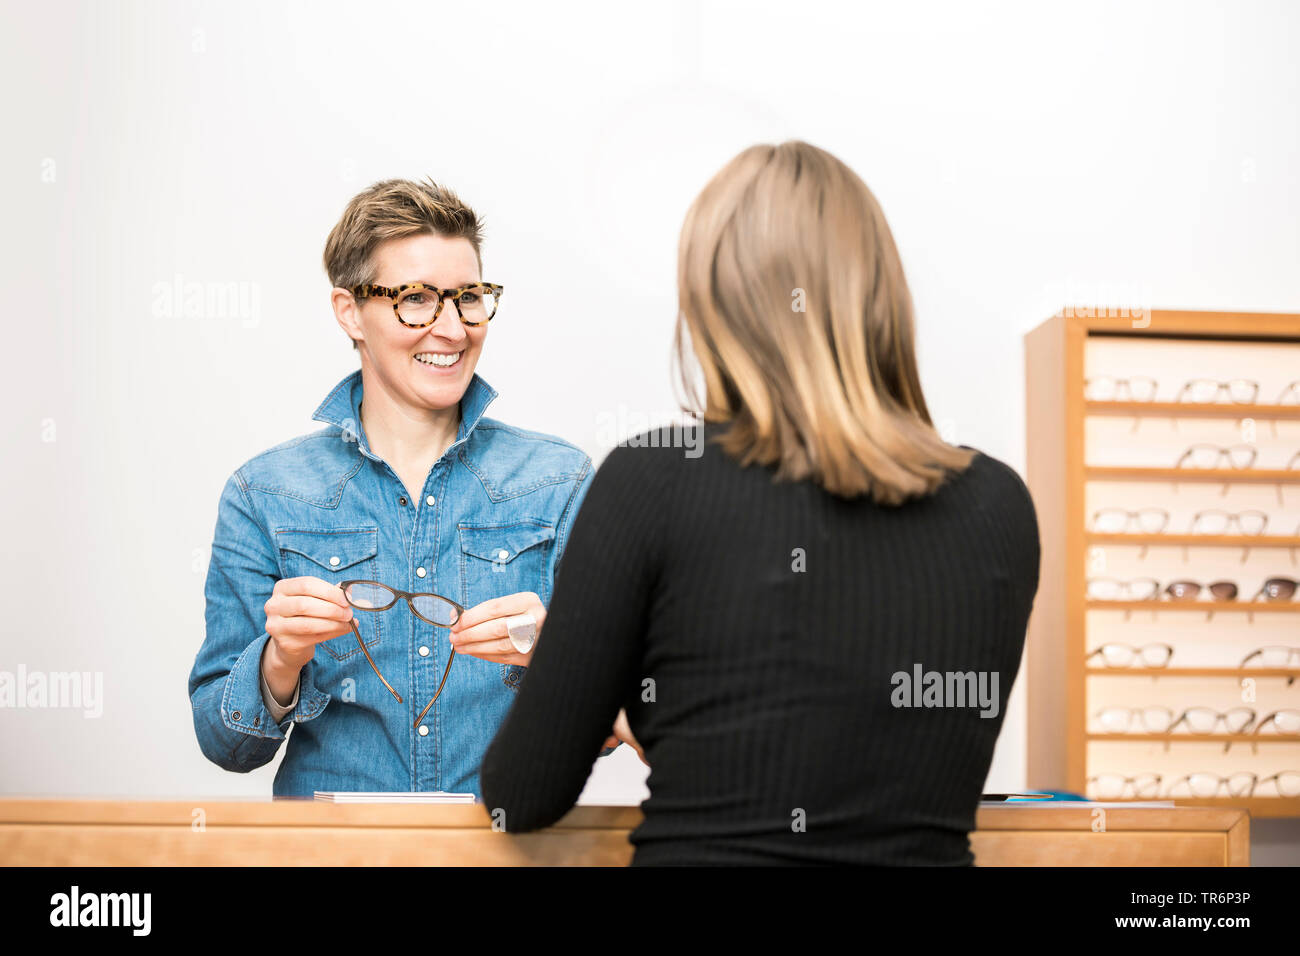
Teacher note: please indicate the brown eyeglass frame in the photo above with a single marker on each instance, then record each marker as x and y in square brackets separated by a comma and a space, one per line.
[366, 291]
[1287, 585]
[1272, 719]
[397, 596]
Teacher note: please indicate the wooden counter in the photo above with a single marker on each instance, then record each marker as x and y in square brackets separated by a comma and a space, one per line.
[265, 831]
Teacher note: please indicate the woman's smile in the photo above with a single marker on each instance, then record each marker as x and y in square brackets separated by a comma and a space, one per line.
[440, 363]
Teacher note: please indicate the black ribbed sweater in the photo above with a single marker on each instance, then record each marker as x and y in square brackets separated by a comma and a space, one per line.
[753, 630]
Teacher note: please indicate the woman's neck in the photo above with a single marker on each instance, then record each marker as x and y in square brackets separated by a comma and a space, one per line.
[410, 443]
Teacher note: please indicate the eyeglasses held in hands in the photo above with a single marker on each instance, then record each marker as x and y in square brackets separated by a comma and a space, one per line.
[431, 608]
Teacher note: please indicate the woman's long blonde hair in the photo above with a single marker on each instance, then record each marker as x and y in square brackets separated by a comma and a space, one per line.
[793, 296]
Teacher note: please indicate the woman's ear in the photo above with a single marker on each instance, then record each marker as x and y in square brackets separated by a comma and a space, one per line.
[348, 313]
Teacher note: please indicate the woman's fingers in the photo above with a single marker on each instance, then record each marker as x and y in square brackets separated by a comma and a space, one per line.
[488, 641]
[623, 732]
[501, 607]
[488, 632]
[502, 652]
[483, 630]
[298, 605]
[311, 587]
[312, 628]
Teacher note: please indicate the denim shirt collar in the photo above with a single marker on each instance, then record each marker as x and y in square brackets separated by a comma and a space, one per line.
[342, 407]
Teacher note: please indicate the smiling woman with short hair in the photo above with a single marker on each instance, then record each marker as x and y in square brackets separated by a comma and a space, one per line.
[377, 586]
[751, 607]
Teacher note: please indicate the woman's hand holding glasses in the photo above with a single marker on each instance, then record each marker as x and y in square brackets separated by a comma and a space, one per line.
[300, 613]
[483, 631]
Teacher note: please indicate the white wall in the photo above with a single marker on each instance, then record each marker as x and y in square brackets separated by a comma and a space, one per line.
[1025, 155]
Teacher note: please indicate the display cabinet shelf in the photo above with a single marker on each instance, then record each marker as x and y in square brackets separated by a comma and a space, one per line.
[1226, 476]
[1209, 607]
[1286, 673]
[1198, 738]
[1286, 541]
[1193, 410]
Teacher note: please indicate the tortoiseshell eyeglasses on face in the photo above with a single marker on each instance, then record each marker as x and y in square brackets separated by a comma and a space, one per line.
[431, 608]
[418, 305]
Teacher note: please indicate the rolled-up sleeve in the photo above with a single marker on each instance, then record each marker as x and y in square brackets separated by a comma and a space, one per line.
[235, 729]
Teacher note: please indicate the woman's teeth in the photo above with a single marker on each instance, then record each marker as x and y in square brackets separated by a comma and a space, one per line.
[441, 361]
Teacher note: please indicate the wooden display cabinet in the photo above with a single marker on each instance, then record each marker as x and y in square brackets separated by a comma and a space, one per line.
[1084, 454]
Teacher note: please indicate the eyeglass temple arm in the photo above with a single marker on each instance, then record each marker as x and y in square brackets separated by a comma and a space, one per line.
[362, 645]
[440, 687]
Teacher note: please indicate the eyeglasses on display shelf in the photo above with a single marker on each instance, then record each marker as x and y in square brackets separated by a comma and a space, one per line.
[1120, 521]
[1134, 720]
[1190, 590]
[1206, 720]
[1107, 389]
[1198, 391]
[1239, 785]
[1123, 655]
[1276, 657]
[1280, 722]
[1202, 721]
[1277, 589]
[1249, 523]
[1203, 455]
[1273, 591]
[1113, 786]
[1113, 589]
[1203, 391]
[1205, 786]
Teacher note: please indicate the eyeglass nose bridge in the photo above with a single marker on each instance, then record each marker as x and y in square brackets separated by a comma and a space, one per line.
[456, 609]
[443, 295]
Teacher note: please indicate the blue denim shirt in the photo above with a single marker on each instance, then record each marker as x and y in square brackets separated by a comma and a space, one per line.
[492, 519]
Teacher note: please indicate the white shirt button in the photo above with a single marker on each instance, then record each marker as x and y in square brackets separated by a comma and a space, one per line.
[503, 554]
[334, 562]
[430, 501]
[424, 731]
[420, 572]
[424, 652]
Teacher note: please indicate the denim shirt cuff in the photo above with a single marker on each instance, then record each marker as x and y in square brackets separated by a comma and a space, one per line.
[243, 708]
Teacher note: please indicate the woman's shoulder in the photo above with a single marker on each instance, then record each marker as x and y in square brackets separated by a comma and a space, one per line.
[990, 472]
[654, 454]
[506, 457]
[994, 488]
[495, 444]
[322, 454]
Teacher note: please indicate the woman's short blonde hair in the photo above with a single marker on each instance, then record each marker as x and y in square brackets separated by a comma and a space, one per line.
[395, 209]
[793, 296]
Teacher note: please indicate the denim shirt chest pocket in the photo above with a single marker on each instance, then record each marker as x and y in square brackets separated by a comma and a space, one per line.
[500, 559]
[335, 556]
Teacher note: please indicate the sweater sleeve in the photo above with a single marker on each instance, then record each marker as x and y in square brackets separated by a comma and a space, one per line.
[588, 655]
